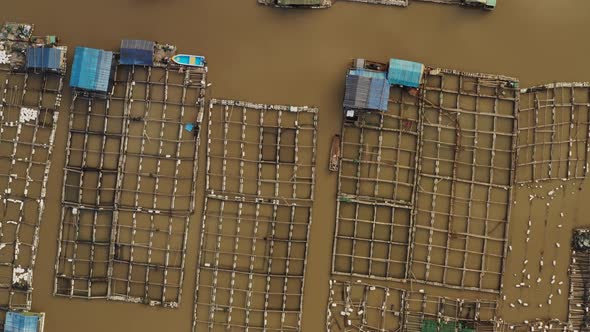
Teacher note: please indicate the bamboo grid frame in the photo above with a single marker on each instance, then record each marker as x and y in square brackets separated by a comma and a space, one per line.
[537, 325]
[29, 110]
[553, 132]
[360, 306]
[465, 178]
[258, 206]
[376, 190]
[128, 189]
[357, 306]
[479, 315]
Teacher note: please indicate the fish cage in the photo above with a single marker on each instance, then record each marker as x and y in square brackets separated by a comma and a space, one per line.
[553, 132]
[258, 206]
[553, 325]
[376, 190]
[30, 99]
[129, 186]
[427, 313]
[358, 306]
[465, 178]
[424, 189]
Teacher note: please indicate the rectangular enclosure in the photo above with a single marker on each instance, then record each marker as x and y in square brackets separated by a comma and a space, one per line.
[356, 306]
[376, 189]
[426, 313]
[129, 186]
[29, 109]
[553, 132]
[467, 144]
[424, 189]
[260, 184]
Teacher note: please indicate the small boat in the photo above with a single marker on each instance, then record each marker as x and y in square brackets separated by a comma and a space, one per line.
[189, 60]
[335, 154]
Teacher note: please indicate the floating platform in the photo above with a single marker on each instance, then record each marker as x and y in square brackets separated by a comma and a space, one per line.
[30, 98]
[416, 164]
[256, 222]
[129, 186]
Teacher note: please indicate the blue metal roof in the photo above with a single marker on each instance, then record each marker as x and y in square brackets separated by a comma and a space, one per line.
[137, 52]
[366, 93]
[368, 73]
[405, 73]
[45, 58]
[91, 69]
[21, 322]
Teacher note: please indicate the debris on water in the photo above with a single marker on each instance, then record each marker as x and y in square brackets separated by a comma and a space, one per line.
[581, 239]
[189, 127]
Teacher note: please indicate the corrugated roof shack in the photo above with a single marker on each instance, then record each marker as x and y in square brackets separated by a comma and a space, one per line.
[92, 70]
[405, 73]
[297, 3]
[366, 90]
[46, 59]
[137, 52]
[24, 322]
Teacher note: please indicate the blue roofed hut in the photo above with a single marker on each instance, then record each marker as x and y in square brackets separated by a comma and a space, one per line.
[405, 73]
[24, 322]
[45, 58]
[92, 69]
[366, 90]
[137, 52]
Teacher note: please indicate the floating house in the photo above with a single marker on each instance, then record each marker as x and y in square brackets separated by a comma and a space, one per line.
[366, 90]
[24, 322]
[92, 69]
[137, 52]
[405, 73]
[46, 59]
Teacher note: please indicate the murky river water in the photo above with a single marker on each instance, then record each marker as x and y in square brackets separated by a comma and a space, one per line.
[299, 57]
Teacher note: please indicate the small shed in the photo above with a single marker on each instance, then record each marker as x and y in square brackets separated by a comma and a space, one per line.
[45, 58]
[366, 90]
[24, 322]
[405, 73]
[92, 69]
[137, 52]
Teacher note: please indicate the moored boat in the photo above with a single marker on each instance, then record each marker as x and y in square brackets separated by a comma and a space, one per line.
[335, 154]
[189, 60]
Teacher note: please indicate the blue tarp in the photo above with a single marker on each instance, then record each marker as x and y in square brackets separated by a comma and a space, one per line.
[137, 52]
[405, 73]
[364, 92]
[21, 322]
[91, 69]
[44, 58]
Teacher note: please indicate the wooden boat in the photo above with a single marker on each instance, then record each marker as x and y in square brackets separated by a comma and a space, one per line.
[189, 60]
[335, 154]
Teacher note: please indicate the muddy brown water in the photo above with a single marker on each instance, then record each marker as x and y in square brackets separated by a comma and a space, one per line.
[299, 57]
